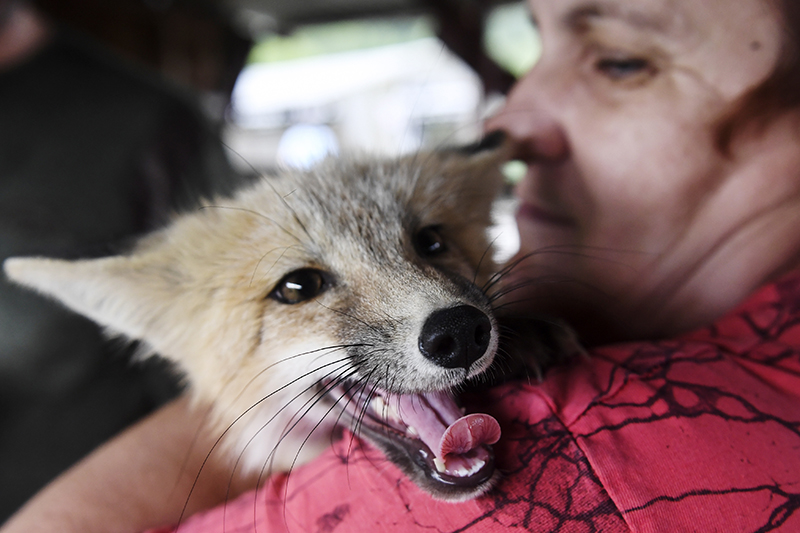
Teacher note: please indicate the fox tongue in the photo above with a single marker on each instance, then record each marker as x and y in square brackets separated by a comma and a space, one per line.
[440, 424]
[467, 433]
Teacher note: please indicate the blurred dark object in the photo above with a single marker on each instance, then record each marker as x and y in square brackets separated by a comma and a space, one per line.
[93, 152]
[461, 27]
[204, 43]
[190, 42]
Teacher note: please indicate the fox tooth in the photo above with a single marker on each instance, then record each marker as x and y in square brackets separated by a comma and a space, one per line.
[477, 466]
[385, 409]
[439, 463]
[379, 406]
[392, 412]
[412, 431]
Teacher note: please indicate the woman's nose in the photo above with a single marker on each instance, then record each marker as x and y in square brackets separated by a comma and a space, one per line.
[531, 122]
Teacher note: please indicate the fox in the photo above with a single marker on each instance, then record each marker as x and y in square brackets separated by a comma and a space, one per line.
[356, 294]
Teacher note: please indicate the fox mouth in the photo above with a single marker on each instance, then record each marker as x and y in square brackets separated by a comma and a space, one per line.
[426, 434]
[431, 439]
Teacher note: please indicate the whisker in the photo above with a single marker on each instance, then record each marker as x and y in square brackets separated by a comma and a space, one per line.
[266, 179]
[326, 349]
[351, 317]
[255, 269]
[318, 395]
[355, 428]
[243, 159]
[483, 256]
[334, 405]
[237, 419]
[582, 251]
[364, 412]
[297, 418]
[533, 281]
[253, 212]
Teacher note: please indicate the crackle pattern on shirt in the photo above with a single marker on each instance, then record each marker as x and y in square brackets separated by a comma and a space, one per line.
[698, 433]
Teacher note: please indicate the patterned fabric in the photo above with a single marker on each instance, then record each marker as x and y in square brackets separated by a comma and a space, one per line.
[700, 433]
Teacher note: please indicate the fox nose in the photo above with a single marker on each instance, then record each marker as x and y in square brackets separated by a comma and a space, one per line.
[455, 337]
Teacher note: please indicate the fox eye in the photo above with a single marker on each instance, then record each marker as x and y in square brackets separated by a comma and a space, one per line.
[428, 241]
[299, 286]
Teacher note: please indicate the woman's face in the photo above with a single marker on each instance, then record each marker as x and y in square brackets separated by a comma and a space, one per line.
[627, 198]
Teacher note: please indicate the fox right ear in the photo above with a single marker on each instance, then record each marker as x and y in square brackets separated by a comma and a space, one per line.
[126, 294]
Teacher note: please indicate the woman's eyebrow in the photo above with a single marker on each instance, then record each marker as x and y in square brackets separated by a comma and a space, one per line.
[581, 16]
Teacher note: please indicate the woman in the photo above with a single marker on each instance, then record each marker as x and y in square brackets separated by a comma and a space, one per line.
[661, 197]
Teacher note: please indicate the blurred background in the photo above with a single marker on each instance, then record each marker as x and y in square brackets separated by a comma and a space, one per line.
[115, 114]
[385, 76]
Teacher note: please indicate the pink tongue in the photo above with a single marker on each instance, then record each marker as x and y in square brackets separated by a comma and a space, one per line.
[441, 426]
[467, 433]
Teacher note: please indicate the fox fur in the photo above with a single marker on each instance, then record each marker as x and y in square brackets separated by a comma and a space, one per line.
[285, 302]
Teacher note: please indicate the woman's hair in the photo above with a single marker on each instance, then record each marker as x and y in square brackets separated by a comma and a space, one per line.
[778, 93]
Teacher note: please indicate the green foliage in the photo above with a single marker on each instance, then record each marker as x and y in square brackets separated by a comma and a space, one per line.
[511, 39]
[319, 39]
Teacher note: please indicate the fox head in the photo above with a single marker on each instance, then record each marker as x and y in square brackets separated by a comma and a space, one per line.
[345, 293]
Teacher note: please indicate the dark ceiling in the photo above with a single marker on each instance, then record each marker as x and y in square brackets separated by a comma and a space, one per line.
[204, 43]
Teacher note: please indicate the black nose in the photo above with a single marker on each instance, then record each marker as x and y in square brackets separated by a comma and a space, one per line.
[455, 337]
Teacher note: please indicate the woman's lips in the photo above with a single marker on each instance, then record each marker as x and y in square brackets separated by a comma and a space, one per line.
[536, 214]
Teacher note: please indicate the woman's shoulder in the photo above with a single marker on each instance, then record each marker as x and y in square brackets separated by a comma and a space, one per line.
[699, 431]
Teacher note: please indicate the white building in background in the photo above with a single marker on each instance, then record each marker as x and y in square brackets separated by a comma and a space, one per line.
[386, 100]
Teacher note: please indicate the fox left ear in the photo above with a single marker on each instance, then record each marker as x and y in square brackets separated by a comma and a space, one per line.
[122, 293]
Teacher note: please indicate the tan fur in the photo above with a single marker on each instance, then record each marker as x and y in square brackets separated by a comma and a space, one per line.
[198, 291]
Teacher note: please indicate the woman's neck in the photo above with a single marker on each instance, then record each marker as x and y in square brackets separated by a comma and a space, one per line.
[746, 235]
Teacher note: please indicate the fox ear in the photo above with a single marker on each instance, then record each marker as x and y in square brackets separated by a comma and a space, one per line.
[122, 293]
[476, 169]
[482, 160]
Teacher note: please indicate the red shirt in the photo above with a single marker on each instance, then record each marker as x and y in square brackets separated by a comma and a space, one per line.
[699, 433]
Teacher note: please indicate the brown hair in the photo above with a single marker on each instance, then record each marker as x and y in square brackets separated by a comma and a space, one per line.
[779, 92]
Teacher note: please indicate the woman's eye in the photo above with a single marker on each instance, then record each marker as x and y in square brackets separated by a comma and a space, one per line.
[624, 68]
[428, 242]
[299, 286]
